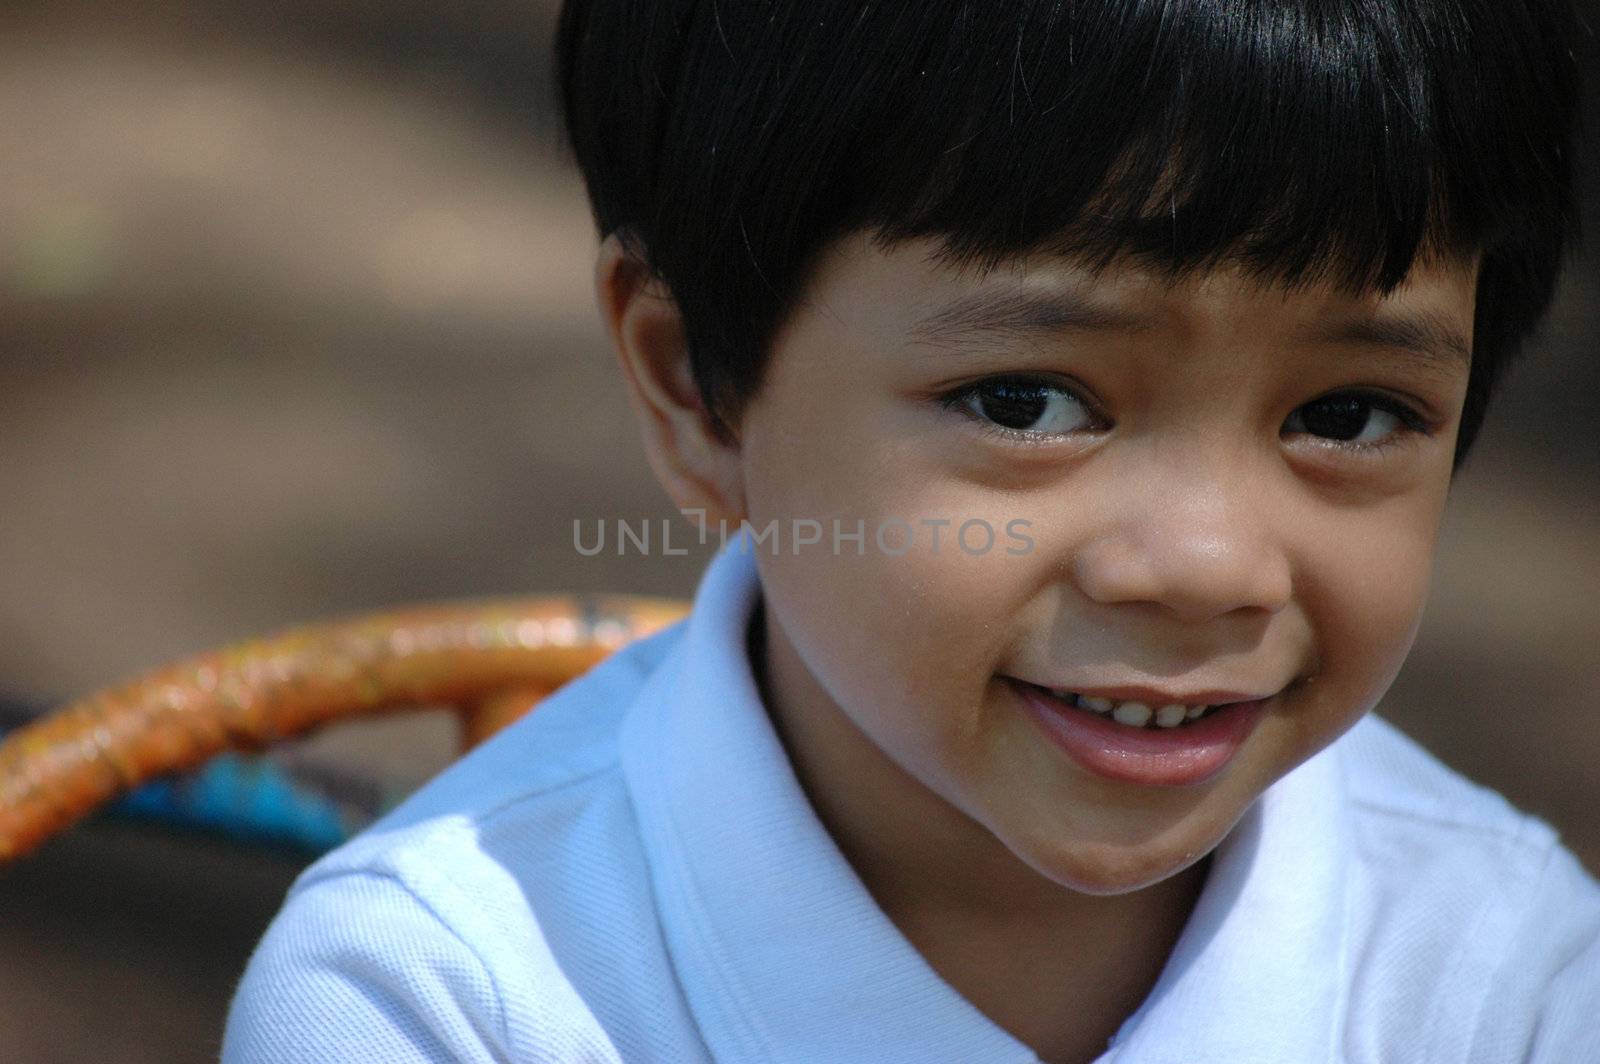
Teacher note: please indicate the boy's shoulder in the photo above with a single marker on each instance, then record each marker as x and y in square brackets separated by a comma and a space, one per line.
[1390, 775]
[568, 739]
[505, 904]
[1420, 827]
[1459, 900]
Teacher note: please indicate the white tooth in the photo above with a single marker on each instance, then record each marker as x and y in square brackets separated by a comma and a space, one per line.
[1171, 716]
[1195, 711]
[1099, 705]
[1136, 714]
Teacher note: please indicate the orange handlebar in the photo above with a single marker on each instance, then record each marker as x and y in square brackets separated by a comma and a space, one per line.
[490, 659]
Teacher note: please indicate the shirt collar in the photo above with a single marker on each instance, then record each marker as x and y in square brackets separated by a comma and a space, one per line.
[785, 956]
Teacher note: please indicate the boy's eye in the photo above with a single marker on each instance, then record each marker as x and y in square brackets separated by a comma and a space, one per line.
[1355, 419]
[1020, 406]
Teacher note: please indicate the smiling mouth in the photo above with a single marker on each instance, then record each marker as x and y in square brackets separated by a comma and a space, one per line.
[1128, 742]
[1132, 713]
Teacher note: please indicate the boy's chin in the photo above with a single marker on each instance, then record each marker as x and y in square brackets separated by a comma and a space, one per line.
[1111, 884]
[1103, 870]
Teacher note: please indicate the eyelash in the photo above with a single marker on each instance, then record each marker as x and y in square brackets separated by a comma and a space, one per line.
[955, 400]
[1412, 424]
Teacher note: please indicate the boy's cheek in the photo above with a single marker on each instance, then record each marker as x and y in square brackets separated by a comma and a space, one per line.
[907, 645]
[924, 616]
[1365, 608]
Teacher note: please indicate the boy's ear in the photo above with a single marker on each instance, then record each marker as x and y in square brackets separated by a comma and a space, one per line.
[691, 459]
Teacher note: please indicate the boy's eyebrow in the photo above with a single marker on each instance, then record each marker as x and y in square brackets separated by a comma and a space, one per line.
[1024, 311]
[1425, 334]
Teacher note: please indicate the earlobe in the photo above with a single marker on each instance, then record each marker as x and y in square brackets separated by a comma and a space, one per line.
[696, 465]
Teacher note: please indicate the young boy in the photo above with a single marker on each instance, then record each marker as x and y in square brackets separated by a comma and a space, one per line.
[1090, 378]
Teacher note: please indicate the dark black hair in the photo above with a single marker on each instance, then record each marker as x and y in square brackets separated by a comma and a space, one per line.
[729, 142]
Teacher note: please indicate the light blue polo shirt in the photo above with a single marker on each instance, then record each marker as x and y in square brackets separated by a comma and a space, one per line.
[632, 873]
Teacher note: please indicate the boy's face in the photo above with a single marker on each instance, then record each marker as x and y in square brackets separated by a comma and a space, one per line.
[1227, 488]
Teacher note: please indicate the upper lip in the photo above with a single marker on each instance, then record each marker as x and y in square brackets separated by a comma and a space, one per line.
[1154, 696]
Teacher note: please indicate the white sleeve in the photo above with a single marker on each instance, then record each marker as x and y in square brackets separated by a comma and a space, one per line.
[1544, 1005]
[1568, 1027]
[355, 968]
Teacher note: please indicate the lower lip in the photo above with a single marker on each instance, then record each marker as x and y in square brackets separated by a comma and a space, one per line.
[1191, 753]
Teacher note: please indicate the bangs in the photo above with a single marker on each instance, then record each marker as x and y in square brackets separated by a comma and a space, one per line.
[1306, 140]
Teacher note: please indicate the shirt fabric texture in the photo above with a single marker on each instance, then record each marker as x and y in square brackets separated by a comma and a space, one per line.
[633, 873]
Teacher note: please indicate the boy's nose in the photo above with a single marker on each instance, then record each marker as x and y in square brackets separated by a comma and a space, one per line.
[1200, 546]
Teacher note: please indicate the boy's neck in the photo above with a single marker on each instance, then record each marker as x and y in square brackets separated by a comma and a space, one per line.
[1014, 943]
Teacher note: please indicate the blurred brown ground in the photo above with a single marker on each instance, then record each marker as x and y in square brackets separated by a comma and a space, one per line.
[295, 321]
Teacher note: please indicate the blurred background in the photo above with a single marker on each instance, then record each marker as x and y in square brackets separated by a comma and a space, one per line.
[295, 321]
